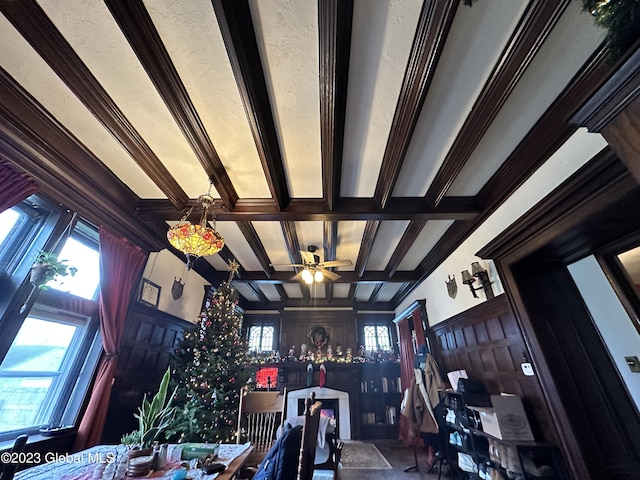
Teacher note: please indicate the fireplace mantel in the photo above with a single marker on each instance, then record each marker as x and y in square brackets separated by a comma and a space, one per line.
[347, 378]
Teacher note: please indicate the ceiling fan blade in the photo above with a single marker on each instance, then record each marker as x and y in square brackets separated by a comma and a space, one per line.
[297, 276]
[307, 257]
[329, 274]
[336, 263]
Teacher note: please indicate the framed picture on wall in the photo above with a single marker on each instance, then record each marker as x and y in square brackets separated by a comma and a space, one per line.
[149, 293]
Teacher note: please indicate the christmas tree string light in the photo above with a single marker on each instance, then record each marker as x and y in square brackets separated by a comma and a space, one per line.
[210, 370]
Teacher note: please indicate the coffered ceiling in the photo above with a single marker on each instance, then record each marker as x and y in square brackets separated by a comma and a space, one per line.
[383, 132]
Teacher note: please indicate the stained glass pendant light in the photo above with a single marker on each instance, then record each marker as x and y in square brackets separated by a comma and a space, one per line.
[197, 240]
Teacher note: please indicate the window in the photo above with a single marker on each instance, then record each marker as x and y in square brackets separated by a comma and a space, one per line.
[80, 252]
[19, 226]
[34, 371]
[377, 338]
[261, 338]
[47, 366]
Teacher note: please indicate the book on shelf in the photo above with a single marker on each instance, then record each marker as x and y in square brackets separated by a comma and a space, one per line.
[368, 418]
[390, 412]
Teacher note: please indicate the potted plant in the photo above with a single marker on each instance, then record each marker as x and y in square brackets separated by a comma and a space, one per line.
[46, 267]
[153, 417]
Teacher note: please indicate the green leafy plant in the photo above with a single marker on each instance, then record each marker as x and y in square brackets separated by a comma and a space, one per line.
[153, 416]
[131, 439]
[46, 267]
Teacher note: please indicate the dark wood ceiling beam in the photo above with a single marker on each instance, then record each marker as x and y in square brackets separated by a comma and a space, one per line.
[255, 289]
[330, 246]
[533, 29]
[400, 208]
[409, 237]
[345, 277]
[228, 257]
[293, 248]
[34, 25]
[376, 292]
[236, 26]
[351, 296]
[402, 292]
[282, 292]
[316, 304]
[252, 238]
[291, 240]
[137, 26]
[34, 141]
[368, 237]
[334, 22]
[432, 30]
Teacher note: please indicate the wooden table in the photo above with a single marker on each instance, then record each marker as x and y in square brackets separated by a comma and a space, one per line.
[235, 466]
[81, 465]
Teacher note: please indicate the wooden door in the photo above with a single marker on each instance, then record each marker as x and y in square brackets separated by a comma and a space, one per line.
[596, 403]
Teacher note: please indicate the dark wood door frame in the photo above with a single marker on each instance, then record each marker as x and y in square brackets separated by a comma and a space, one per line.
[594, 207]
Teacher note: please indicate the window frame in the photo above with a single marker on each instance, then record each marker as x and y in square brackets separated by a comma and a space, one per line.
[273, 339]
[376, 326]
[48, 229]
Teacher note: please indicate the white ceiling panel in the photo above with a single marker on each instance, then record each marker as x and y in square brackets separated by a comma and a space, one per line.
[429, 236]
[287, 34]
[293, 290]
[27, 67]
[237, 243]
[95, 37]
[389, 234]
[311, 233]
[381, 41]
[464, 68]
[190, 33]
[245, 291]
[364, 291]
[273, 241]
[569, 45]
[341, 290]
[270, 292]
[388, 291]
[349, 242]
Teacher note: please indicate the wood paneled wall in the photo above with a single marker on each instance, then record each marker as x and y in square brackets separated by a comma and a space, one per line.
[345, 327]
[148, 341]
[487, 342]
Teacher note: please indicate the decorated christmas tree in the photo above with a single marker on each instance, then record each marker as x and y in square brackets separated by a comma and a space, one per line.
[210, 370]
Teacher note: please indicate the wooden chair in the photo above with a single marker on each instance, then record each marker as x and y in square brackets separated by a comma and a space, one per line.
[259, 416]
[309, 438]
[8, 469]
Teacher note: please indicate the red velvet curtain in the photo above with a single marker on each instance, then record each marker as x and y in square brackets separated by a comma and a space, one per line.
[407, 356]
[120, 265]
[406, 374]
[15, 186]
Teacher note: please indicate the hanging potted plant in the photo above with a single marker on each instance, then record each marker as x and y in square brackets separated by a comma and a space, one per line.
[47, 267]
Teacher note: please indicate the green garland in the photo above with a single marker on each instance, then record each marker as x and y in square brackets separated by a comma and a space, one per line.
[621, 18]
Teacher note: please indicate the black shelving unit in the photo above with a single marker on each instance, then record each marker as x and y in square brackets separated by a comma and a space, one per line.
[525, 460]
[380, 398]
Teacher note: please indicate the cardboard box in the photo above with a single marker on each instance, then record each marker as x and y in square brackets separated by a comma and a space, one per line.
[199, 450]
[507, 419]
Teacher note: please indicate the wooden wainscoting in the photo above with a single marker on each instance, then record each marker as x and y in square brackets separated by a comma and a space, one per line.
[148, 341]
[487, 342]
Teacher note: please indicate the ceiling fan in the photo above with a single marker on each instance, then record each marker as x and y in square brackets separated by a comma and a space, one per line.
[313, 270]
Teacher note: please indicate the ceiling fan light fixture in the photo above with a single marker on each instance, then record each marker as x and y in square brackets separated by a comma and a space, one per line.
[317, 276]
[307, 276]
